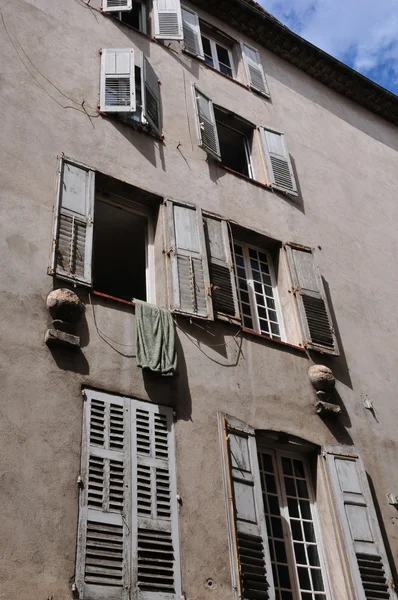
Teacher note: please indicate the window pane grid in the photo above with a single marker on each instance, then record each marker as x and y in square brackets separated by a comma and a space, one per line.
[217, 56]
[285, 481]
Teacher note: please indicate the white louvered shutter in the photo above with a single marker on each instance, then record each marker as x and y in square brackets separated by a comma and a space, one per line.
[312, 304]
[222, 276]
[192, 37]
[117, 5]
[72, 244]
[117, 89]
[190, 272]
[253, 577]
[207, 127]
[156, 561]
[279, 165]
[370, 571]
[254, 69]
[151, 97]
[168, 20]
[104, 542]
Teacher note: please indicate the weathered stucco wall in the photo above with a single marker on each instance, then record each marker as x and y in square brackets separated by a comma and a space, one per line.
[346, 162]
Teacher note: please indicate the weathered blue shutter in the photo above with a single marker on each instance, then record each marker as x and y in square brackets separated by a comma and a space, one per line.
[151, 97]
[104, 534]
[189, 266]
[156, 561]
[192, 37]
[364, 547]
[252, 571]
[72, 244]
[279, 165]
[312, 304]
[168, 19]
[117, 83]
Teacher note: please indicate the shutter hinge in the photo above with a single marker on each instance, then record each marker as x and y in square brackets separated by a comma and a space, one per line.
[179, 499]
[84, 394]
[80, 482]
[75, 591]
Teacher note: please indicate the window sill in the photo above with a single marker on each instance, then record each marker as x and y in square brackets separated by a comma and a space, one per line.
[113, 298]
[136, 126]
[273, 340]
[246, 178]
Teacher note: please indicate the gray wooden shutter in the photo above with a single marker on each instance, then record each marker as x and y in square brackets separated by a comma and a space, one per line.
[190, 271]
[192, 37]
[252, 573]
[207, 128]
[156, 561]
[104, 543]
[279, 165]
[254, 69]
[370, 571]
[117, 5]
[117, 85]
[151, 97]
[313, 308]
[168, 20]
[72, 244]
[222, 276]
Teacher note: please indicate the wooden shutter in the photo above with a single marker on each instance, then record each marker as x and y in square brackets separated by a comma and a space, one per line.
[72, 244]
[117, 5]
[316, 322]
[117, 89]
[254, 69]
[370, 571]
[192, 37]
[168, 20]
[279, 165]
[251, 562]
[104, 544]
[156, 562]
[151, 97]
[222, 277]
[207, 128]
[190, 272]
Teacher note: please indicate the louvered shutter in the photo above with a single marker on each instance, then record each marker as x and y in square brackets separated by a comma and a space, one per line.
[190, 271]
[104, 543]
[253, 579]
[151, 99]
[73, 224]
[370, 571]
[207, 127]
[168, 20]
[156, 562]
[313, 308]
[192, 37]
[117, 5]
[254, 69]
[222, 277]
[279, 165]
[117, 89]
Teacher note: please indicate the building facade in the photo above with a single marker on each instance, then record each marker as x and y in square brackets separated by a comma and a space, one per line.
[201, 158]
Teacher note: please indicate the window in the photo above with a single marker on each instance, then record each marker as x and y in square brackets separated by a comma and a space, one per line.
[217, 56]
[130, 90]
[128, 501]
[274, 531]
[166, 15]
[292, 527]
[103, 234]
[258, 295]
[136, 17]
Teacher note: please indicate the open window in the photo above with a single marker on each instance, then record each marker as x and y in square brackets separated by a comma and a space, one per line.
[133, 13]
[104, 234]
[130, 89]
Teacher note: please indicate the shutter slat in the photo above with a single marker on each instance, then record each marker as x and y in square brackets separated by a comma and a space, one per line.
[168, 19]
[73, 226]
[314, 312]
[370, 571]
[254, 69]
[117, 89]
[207, 127]
[248, 532]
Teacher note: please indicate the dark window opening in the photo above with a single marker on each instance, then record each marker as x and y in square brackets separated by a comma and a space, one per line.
[234, 136]
[136, 17]
[119, 253]
[135, 117]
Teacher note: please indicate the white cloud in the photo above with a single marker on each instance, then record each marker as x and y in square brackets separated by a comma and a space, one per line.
[363, 33]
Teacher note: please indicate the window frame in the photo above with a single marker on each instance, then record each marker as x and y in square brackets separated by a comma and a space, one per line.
[246, 145]
[251, 292]
[214, 56]
[143, 16]
[277, 455]
[131, 206]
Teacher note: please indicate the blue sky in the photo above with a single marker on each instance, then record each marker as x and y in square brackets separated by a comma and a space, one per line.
[361, 33]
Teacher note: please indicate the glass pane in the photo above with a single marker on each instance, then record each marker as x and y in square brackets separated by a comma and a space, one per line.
[264, 326]
[275, 328]
[270, 303]
[287, 596]
[256, 275]
[207, 51]
[302, 488]
[248, 323]
[253, 253]
[238, 249]
[226, 70]
[260, 300]
[284, 579]
[313, 556]
[299, 468]
[223, 55]
[304, 579]
[305, 510]
[309, 532]
[280, 552]
[266, 462]
[243, 284]
[273, 505]
[244, 296]
[317, 581]
[262, 312]
[287, 466]
[239, 260]
[293, 507]
[299, 552]
[270, 484]
[272, 315]
[296, 530]
[277, 530]
[290, 488]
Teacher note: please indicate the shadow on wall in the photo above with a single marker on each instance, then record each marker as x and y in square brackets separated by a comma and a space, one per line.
[150, 147]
